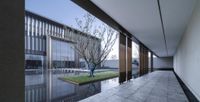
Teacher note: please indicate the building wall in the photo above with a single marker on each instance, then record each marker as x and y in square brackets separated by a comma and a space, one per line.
[37, 28]
[115, 63]
[187, 57]
[163, 62]
[111, 63]
[159, 63]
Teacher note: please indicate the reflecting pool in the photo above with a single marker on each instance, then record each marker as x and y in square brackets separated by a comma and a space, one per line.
[46, 86]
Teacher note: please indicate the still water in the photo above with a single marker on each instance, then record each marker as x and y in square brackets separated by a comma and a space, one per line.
[47, 87]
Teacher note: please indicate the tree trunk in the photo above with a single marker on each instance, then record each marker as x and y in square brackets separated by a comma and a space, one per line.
[91, 67]
[92, 72]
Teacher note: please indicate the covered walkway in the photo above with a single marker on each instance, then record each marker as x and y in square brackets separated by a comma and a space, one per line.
[158, 86]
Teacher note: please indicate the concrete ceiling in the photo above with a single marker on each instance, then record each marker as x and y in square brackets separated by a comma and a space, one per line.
[142, 19]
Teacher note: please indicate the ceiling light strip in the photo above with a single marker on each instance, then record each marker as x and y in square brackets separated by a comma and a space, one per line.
[162, 24]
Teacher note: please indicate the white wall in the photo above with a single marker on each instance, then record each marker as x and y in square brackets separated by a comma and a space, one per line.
[111, 63]
[163, 62]
[187, 57]
[115, 64]
[158, 62]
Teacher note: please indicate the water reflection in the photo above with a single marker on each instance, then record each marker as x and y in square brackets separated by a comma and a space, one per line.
[80, 92]
[48, 87]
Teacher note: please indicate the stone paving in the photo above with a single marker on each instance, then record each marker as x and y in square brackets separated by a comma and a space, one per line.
[158, 86]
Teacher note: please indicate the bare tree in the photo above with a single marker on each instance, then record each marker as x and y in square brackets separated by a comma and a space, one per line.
[96, 42]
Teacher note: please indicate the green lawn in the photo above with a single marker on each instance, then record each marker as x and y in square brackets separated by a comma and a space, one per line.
[84, 79]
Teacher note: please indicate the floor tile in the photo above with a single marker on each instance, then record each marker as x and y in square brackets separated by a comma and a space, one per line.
[158, 86]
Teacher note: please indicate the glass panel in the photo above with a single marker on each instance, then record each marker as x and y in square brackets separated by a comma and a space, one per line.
[135, 60]
[62, 54]
[36, 27]
[28, 25]
[33, 26]
[42, 28]
[39, 28]
[36, 44]
[40, 44]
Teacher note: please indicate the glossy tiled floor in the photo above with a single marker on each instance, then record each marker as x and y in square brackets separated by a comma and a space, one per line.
[158, 86]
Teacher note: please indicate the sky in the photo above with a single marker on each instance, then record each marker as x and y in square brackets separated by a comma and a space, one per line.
[65, 12]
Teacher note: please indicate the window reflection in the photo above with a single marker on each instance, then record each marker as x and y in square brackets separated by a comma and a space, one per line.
[63, 55]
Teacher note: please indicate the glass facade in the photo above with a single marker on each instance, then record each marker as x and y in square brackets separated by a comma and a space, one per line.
[63, 54]
[34, 61]
[36, 30]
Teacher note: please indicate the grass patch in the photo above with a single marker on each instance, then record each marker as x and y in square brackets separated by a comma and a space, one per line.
[84, 79]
